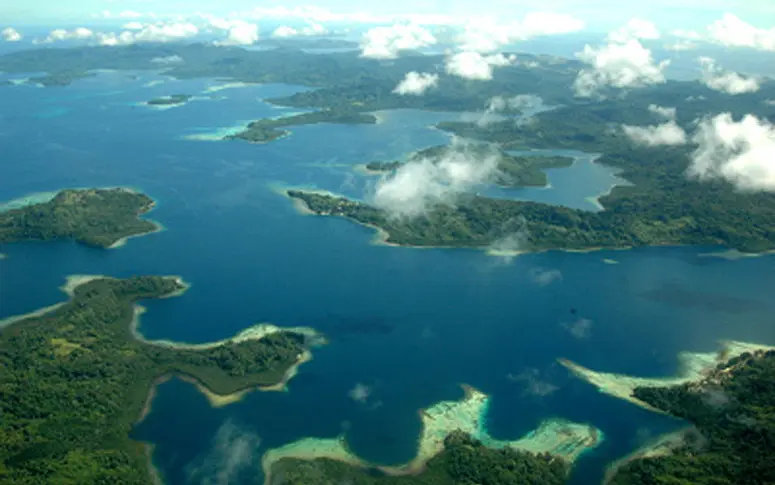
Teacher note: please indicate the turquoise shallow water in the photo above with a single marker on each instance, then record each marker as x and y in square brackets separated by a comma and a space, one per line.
[409, 324]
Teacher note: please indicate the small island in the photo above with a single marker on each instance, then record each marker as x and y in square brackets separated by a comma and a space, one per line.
[728, 397]
[170, 101]
[512, 171]
[59, 78]
[75, 380]
[267, 130]
[97, 217]
[454, 444]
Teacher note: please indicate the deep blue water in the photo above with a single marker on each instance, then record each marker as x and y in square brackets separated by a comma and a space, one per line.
[411, 324]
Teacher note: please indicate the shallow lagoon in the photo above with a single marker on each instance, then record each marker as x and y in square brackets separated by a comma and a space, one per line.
[409, 324]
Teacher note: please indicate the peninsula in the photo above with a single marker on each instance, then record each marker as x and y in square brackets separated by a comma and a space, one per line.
[266, 130]
[477, 221]
[512, 171]
[728, 397]
[169, 101]
[454, 444]
[97, 217]
[75, 380]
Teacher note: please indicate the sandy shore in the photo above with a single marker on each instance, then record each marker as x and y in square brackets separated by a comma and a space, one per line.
[231, 85]
[68, 288]
[27, 200]
[734, 255]
[610, 261]
[562, 438]
[662, 446]
[693, 367]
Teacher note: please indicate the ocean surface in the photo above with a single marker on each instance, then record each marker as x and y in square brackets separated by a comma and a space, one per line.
[409, 324]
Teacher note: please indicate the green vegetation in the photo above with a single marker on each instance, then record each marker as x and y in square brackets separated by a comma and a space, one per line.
[513, 171]
[266, 130]
[479, 222]
[170, 100]
[74, 381]
[97, 217]
[734, 442]
[59, 78]
[464, 461]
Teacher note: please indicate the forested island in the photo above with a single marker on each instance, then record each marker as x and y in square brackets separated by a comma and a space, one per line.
[59, 78]
[97, 217]
[464, 460]
[266, 130]
[732, 442]
[512, 171]
[172, 100]
[75, 380]
[477, 221]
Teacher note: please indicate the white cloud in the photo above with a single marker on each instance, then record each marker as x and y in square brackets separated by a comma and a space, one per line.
[240, 33]
[11, 35]
[111, 38]
[416, 83]
[668, 133]
[545, 277]
[635, 29]
[311, 29]
[166, 32]
[519, 102]
[666, 113]
[416, 187]
[681, 45]
[473, 65]
[233, 450]
[740, 152]
[133, 26]
[620, 65]
[388, 42]
[175, 59]
[488, 34]
[719, 79]
[80, 33]
[731, 31]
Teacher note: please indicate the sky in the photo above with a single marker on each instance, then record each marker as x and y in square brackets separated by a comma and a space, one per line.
[599, 15]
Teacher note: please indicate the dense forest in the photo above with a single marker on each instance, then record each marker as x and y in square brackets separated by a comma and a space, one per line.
[464, 461]
[97, 217]
[733, 412]
[74, 381]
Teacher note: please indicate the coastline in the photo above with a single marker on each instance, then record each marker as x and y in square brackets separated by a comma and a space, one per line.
[693, 368]
[382, 237]
[122, 241]
[661, 446]
[562, 438]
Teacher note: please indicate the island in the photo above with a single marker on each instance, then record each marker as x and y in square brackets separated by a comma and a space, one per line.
[266, 130]
[96, 217]
[512, 171]
[728, 399]
[75, 380]
[172, 100]
[59, 78]
[454, 446]
[478, 221]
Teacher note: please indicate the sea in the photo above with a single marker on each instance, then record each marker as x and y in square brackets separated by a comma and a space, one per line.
[408, 325]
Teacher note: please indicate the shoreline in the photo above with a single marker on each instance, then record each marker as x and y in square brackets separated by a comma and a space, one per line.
[122, 241]
[382, 235]
[561, 438]
[693, 368]
[661, 446]
[71, 283]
